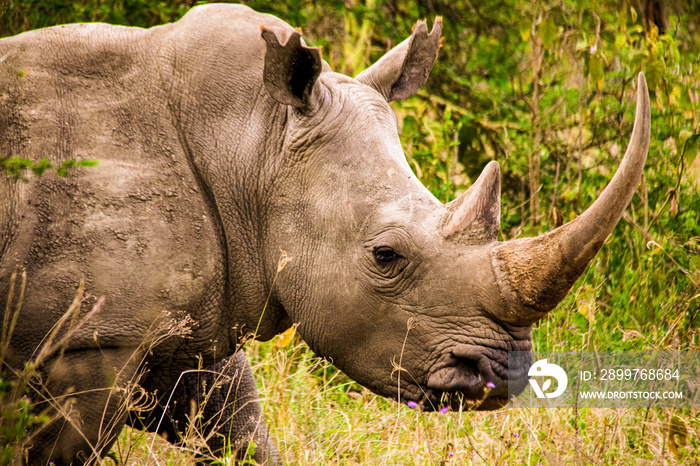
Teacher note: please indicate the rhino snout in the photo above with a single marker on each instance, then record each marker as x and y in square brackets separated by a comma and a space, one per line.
[478, 376]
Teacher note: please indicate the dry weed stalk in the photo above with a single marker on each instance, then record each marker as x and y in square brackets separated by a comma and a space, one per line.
[52, 348]
[132, 398]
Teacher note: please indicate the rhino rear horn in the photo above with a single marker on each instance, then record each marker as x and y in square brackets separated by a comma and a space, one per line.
[474, 217]
[534, 274]
[291, 70]
[404, 69]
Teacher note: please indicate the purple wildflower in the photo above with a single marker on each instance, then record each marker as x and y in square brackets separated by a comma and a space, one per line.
[515, 434]
[444, 409]
[451, 454]
[490, 384]
[412, 404]
[573, 327]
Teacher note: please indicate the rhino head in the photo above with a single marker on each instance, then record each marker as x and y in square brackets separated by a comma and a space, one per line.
[413, 299]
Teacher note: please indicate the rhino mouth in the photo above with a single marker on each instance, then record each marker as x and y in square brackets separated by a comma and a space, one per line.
[477, 377]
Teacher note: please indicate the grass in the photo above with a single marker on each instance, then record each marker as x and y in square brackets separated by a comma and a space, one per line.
[318, 416]
[26, 402]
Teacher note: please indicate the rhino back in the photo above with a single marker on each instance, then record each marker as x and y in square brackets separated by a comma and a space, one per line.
[138, 227]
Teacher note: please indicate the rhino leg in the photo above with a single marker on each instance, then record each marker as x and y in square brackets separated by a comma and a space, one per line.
[83, 393]
[224, 403]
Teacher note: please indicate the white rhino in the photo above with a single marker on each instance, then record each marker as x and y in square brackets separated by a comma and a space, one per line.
[223, 140]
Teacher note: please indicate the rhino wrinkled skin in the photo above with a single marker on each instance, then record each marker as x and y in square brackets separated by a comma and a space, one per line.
[223, 140]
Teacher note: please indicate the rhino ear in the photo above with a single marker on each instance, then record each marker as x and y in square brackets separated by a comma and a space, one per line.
[291, 70]
[404, 69]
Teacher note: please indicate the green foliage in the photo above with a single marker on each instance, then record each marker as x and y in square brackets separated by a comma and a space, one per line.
[23, 15]
[16, 416]
[17, 166]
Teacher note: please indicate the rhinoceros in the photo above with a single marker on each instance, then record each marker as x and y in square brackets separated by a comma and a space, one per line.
[225, 144]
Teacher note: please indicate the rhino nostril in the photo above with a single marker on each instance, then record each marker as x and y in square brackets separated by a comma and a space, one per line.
[470, 368]
[477, 372]
[460, 374]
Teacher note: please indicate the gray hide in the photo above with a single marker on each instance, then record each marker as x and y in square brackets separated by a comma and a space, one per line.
[223, 140]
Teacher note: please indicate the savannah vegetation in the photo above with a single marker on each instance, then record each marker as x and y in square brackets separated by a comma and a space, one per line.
[546, 88]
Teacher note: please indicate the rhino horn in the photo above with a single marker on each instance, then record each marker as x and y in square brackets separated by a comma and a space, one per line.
[404, 69]
[475, 215]
[534, 274]
[291, 70]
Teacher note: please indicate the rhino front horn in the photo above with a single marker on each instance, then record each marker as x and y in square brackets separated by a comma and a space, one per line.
[534, 274]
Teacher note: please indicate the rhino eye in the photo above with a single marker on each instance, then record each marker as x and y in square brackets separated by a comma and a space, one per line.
[385, 255]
